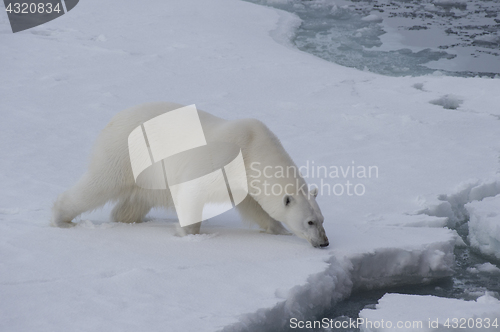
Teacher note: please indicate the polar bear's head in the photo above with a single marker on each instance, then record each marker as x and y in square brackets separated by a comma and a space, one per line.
[303, 217]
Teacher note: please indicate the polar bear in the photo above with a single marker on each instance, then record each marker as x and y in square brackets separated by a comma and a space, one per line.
[274, 198]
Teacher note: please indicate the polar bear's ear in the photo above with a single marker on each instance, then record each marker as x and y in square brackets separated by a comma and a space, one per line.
[314, 191]
[287, 200]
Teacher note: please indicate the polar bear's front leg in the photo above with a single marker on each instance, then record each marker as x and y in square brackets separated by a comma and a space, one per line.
[250, 210]
[276, 228]
[187, 230]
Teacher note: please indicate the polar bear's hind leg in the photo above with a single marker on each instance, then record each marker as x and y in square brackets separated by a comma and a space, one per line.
[130, 210]
[86, 195]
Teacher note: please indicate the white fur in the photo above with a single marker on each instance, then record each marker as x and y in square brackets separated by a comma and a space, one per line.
[109, 178]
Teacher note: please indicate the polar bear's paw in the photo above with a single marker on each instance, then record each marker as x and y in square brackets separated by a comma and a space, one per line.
[277, 229]
[188, 230]
[63, 224]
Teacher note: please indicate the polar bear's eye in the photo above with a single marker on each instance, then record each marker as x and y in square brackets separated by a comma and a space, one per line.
[310, 223]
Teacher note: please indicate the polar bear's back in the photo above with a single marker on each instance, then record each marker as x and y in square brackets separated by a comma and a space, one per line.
[122, 124]
[110, 156]
[110, 161]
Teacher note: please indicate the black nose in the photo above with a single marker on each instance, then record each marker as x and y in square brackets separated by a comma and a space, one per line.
[324, 244]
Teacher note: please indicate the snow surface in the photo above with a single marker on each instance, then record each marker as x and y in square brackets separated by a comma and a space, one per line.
[421, 313]
[484, 225]
[64, 80]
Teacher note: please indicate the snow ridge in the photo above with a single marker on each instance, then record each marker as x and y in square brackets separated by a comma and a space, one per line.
[484, 226]
[308, 300]
[386, 267]
[453, 206]
[475, 203]
[377, 269]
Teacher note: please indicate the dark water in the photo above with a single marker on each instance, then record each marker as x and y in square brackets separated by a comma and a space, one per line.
[401, 37]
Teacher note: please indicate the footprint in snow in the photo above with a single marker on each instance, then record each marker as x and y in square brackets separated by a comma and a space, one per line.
[450, 102]
[419, 86]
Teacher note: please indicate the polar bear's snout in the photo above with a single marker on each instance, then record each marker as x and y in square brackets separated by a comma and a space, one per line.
[325, 243]
[322, 239]
[320, 244]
